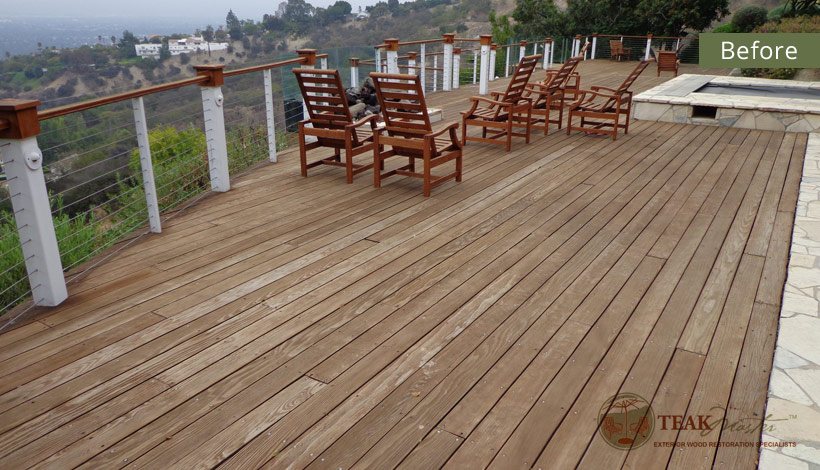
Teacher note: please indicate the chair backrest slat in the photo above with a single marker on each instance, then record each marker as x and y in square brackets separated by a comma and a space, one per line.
[330, 104]
[616, 46]
[559, 79]
[636, 72]
[402, 104]
[518, 82]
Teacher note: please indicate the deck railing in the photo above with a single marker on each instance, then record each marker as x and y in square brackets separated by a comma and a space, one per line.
[110, 173]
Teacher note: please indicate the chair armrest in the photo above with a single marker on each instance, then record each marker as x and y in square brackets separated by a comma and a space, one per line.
[430, 138]
[597, 88]
[477, 99]
[439, 132]
[362, 121]
[496, 94]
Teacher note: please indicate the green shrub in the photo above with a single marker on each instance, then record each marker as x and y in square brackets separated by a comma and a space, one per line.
[726, 28]
[749, 17]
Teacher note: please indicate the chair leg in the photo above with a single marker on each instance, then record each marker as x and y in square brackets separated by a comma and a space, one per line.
[411, 163]
[561, 111]
[463, 131]
[337, 153]
[529, 122]
[302, 151]
[458, 166]
[569, 121]
[509, 130]
[426, 172]
[349, 161]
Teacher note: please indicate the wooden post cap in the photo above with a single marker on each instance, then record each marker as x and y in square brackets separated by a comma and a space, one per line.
[486, 39]
[577, 36]
[595, 35]
[648, 36]
[457, 50]
[213, 72]
[354, 61]
[449, 38]
[392, 44]
[548, 40]
[493, 46]
[412, 55]
[522, 43]
[308, 54]
[21, 116]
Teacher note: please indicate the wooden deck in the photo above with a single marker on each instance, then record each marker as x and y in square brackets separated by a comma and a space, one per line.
[306, 323]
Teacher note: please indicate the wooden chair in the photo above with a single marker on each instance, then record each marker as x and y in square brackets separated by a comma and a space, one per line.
[505, 110]
[331, 123]
[550, 95]
[409, 133]
[617, 51]
[668, 62]
[604, 107]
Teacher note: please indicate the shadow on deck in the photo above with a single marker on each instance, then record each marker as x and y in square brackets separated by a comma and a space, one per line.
[295, 323]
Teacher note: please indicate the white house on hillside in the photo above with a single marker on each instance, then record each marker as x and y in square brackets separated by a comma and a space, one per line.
[180, 46]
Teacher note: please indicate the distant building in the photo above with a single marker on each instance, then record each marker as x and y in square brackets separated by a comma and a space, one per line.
[180, 46]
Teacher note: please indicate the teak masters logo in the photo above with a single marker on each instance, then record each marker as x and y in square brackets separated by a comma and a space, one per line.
[626, 421]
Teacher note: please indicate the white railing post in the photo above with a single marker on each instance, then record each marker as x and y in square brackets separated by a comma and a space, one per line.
[323, 63]
[392, 55]
[411, 63]
[379, 60]
[423, 61]
[447, 76]
[435, 73]
[309, 57]
[648, 47]
[354, 71]
[594, 45]
[475, 65]
[677, 44]
[484, 73]
[549, 47]
[23, 163]
[456, 67]
[212, 101]
[493, 49]
[147, 167]
[269, 119]
[522, 50]
[507, 61]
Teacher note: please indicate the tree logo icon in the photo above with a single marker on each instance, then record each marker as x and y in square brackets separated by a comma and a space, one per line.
[626, 421]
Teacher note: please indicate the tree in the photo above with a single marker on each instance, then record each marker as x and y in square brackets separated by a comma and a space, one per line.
[113, 40]
[299, 16]
[127, 43]
[338, 11]
[164, 51]
[673, 17]
[234, 26]
[208, 34]
[540, 18]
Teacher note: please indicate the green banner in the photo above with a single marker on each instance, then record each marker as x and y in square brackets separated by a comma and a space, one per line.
[760, 50]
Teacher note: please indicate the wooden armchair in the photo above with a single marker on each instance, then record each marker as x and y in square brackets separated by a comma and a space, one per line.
[408, 132]
[331, 123]
[617, 51]
[668, 62]
[504, 110]
[605, 109]
[550, 95]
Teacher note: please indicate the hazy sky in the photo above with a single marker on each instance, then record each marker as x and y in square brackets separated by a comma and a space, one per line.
[213, 10]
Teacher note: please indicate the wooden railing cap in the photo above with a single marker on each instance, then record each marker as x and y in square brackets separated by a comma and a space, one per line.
[213, 72]
[308, 54]
[21, 118]
[392, 44]
[486, 39]
[449, 38]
